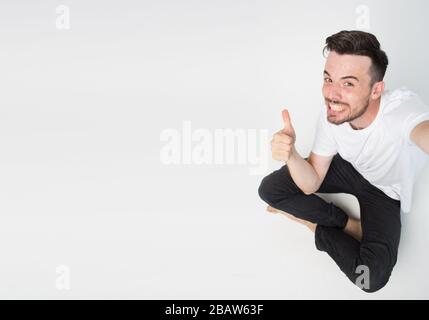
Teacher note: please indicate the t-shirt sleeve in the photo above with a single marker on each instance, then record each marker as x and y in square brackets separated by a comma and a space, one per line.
[324, 143]
[417, 112]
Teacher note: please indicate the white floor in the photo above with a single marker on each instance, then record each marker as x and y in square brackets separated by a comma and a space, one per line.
[88, 209]
[228, 250]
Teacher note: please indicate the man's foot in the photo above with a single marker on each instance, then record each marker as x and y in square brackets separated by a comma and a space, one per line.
[308, 224]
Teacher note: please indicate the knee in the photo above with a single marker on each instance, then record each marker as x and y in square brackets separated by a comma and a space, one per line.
[274, 187]
[375, 273]
[264, 189]
[377, 280]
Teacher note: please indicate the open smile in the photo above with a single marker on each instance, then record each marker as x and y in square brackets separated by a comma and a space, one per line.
[336, 107]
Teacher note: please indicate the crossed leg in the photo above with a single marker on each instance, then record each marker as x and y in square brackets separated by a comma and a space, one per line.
[352, 228]
[335, 232]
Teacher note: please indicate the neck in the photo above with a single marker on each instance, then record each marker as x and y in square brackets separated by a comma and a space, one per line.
[368, 117]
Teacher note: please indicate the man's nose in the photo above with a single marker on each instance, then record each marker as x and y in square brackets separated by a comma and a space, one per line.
[334, 93]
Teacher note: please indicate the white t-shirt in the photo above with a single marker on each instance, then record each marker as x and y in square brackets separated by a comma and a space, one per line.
[383, 152]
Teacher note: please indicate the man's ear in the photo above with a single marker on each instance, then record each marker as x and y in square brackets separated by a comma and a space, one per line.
[377, 90]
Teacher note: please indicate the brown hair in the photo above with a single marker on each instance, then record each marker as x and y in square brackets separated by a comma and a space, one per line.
[362, 44]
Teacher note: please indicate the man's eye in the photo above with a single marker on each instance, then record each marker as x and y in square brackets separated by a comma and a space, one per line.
[328, 80]
[348, 84]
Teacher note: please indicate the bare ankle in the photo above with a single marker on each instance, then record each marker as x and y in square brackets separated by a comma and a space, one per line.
[354, 229]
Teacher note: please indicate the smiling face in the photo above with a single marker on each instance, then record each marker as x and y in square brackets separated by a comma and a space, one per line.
[347, 87]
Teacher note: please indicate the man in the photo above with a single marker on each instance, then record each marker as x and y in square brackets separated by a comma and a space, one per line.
[369, 143]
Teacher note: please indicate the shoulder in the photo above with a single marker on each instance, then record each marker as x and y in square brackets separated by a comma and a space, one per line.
[401, 102]
[403, 110]
[402, 105]
[394, 100]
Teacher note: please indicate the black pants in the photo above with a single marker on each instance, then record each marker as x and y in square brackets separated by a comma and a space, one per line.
[376, 254]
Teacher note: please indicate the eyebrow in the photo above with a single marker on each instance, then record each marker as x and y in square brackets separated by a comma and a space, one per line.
[343, 78]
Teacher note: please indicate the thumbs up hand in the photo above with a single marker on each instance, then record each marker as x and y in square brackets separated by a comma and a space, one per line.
[283, 143]
[288, 129]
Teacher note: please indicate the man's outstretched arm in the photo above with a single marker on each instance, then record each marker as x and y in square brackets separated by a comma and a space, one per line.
[420, 136]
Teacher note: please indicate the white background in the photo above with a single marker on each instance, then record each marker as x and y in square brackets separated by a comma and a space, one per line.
[81, 114]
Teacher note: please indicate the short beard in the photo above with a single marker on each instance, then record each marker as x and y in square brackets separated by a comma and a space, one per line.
[354, 116]
[359, 113]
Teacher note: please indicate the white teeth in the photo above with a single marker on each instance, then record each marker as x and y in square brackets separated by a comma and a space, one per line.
[336, 107]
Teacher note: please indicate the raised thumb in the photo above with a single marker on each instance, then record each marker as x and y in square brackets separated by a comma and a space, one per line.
[287, 123]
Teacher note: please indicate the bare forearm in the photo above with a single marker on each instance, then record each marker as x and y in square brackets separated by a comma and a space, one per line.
[303, 173]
